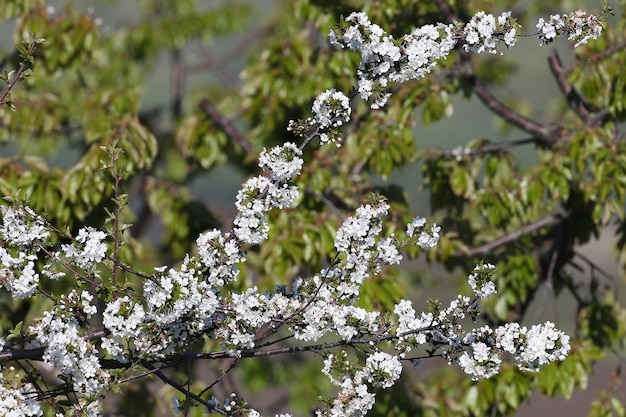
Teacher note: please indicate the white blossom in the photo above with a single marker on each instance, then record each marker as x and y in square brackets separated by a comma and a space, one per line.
[17, 403]
[577, 26]
[283, 162]
[424, 238]
[22, 227]
[382, 369]
[479, 280]
[89, 248]
[67, 350]
[331, 109]
[219, 255]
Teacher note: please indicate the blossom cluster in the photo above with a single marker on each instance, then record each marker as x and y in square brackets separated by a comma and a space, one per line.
[483, 32]
[425, 239]
[331, 110]
[89, 248]
[15, 402]
[68, 351]
[480, 280]
[260, 194]
[354, 398]
[22, 231]
[385, 60]
[578, 26]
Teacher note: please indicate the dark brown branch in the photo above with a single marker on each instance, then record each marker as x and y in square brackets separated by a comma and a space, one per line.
[514, 235]
[500, 146]
[178, 83]
[10, 354]
[36, 354]
[600, 118]
[491, 101]
[182, 389]
[575, 101]
[19, 73]
[597, 57]
[485, 95]
[225, 125]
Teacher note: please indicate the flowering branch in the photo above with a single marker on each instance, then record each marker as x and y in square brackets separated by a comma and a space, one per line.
[192, 302]
[27, 63]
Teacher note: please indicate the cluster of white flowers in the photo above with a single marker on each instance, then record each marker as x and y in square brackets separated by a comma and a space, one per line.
[124, 319]
[535, 347]
[15, 402]
[479, 351]
[482, 33]
[354, 398]
[531, 349]
[424, 239]
[219, 256]
[283, 162]
[387, 250]
[261, 194]
[21, 226]
[479, 360]
[250, 311]
[68, 351]
[381, 369]
[578, 26]
[88, 248]
[331, 109]
[480, 280]
[180, 303]
[23, 232]
[385, 60]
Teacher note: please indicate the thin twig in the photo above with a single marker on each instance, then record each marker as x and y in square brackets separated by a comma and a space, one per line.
[18, 74]
[183, 390]
[500, 146]
[596, 57]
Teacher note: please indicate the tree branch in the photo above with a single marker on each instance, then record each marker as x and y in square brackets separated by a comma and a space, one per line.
[499, 146]
[183, 390]
[575, 101]
[225, 125]
[546, 221]
[491, 101]
[597, 57]
[19, 73]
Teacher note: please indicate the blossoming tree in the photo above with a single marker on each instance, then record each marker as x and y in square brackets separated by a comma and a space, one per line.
[92, 313]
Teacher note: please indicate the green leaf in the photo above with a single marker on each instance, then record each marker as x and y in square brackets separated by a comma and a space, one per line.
[459, 180]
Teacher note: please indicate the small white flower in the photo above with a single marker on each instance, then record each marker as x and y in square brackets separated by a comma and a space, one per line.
[331, 109]
[89, 248]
